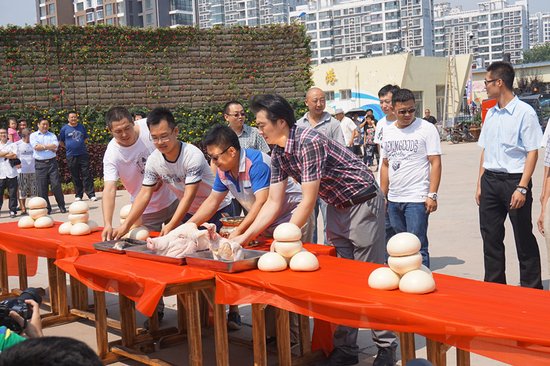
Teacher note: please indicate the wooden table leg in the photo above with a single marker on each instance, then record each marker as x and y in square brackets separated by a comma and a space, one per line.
[283, 337]
[52, 279]
[4, 284]
[305, 335]
[408, 349]
[462, 357]
[220, 329]
[127, 320]
[101, 324]
[62, 292]
[191, 302]
[182, 315]
[258, 334]
[437, 352]
[79, 295]
[22, 266]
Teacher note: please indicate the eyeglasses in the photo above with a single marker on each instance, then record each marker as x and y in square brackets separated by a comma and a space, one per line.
[216, 157]
[237, 115]
[406, 111]
[489, 81]
[161, 139]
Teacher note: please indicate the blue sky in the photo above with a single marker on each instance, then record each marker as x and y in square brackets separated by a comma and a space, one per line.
[21, 12]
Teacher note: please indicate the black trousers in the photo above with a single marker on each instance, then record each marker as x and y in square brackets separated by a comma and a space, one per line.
[494, 206]
[47, 173]
[11, 185]
[81, 175]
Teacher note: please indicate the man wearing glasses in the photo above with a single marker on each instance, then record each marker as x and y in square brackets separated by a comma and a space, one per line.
[411, 170]
[182, 167]
[125, 159]
[249, 137]
[245, 173]
[510, 139]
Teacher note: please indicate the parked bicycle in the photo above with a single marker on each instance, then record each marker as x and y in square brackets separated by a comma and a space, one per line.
[461, 133]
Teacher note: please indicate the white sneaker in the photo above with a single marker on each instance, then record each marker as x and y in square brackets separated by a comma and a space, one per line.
[94, 198]
[76, 199]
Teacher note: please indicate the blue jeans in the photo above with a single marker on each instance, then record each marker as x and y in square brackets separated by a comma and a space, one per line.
[411, 217]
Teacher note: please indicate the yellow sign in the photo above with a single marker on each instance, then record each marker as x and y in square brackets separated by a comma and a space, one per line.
[330, 77]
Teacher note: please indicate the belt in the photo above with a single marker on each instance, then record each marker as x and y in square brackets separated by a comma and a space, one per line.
[503, 174]
[44, 160]
[359, 199]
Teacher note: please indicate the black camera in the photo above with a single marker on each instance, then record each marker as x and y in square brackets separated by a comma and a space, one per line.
[19, 305]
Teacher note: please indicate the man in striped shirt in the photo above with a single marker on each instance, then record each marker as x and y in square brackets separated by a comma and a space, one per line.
[355, 211]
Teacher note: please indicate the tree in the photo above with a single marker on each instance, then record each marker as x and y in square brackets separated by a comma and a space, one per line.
[538, 53]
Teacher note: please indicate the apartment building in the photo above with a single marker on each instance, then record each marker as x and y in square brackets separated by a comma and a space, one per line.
[492, 32]
[351, 29]
[54, 12]
[539, 29]
[243, 12]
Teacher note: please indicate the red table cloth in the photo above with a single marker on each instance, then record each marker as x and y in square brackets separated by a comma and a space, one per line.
[506, 323]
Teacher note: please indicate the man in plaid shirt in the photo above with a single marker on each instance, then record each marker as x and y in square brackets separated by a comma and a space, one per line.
[355, 212]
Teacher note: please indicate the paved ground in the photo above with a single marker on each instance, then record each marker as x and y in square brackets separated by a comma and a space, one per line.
[455, 246]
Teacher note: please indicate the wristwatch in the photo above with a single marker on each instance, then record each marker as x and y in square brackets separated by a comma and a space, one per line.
[433, 196]
[522, 190]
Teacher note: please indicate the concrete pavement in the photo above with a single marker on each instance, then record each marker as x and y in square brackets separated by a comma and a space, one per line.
[455, 248]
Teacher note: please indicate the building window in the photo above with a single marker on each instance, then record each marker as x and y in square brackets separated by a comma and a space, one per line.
[99, 2]
[181, 5]
[79, 6]
[80, 20]
[108, 10]
[51, 9]
[148, 5]
[110, 21]
[148, 19]
[90, 17]
[345, 94]
[100, 14]
[329, 95]
[88, 4]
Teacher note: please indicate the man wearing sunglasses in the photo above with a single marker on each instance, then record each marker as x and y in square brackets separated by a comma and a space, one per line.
[245, 173]
[181, 166]
[249, 137]
[411, 170]
[510, 139]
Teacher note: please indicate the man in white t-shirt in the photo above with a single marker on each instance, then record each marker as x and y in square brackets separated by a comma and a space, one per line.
[384, 95]
[348, 127]
[181, 167]
[8, 173]
[125, 159]
[411, 170]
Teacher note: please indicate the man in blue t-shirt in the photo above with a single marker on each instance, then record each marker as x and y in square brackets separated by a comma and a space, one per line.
[74, 136]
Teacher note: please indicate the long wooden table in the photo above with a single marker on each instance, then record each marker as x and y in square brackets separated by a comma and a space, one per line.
[143, 283]
[505, 323]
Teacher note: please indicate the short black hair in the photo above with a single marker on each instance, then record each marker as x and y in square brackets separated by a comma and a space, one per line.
[72, 112]
[161, 114]
[402, 96]
[46, 351]
[223, 137]
[504, 71]
[275, 106]
[116, 114]
[370, 109]
[389, 88]
[229, 104]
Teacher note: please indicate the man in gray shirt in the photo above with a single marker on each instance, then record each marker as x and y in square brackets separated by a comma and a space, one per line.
[322, 121]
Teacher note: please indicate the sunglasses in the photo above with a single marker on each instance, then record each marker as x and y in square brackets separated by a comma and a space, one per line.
[406, 111]
[238, 114]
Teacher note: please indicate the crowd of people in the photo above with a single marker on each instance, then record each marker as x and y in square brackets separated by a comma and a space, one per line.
[29, 166]
[290, 170]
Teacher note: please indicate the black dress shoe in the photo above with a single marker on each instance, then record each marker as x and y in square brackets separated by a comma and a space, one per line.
[339, 358]
[385, 357]
[62, 210]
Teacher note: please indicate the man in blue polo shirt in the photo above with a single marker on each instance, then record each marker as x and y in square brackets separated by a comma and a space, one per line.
[74, 136]
[246, 173]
